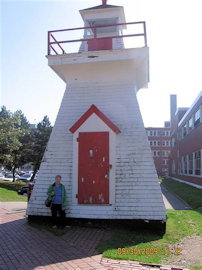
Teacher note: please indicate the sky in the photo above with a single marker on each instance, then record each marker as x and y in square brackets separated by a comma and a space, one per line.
[175, 46]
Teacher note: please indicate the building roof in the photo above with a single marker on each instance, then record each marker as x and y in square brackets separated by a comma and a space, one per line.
[190, 108]
[101, 7]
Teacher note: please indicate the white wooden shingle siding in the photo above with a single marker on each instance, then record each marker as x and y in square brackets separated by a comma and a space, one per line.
[137, 191]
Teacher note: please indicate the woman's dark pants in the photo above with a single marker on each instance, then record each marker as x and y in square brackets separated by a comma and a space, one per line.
[55, 209]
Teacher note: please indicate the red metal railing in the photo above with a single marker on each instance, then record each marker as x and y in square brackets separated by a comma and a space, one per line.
[52, 40]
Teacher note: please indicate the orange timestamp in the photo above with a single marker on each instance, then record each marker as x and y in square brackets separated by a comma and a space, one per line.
[138, 251]
[149, 251]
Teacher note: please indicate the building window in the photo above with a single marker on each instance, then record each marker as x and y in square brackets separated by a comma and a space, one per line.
[154, 143]
[181, 165]
[164, 161]
[166, 143]
[165, 133]
[173, 142]
[184, 130]
[165, 153]
[190, 124]
[180, 134]
[158, 133]
[190, 163]
[197, 117]
[185, 164]
[198, 163]
[156, 153]
[173, 167]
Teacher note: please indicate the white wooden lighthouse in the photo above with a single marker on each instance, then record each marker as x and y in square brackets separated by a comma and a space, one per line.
[99, 144]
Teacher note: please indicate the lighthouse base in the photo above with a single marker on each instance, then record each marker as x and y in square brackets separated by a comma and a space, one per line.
[157, 226]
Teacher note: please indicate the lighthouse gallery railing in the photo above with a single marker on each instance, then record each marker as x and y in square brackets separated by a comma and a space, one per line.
[52, 40]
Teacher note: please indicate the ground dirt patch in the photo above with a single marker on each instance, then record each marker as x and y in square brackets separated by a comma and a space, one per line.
[191, 254]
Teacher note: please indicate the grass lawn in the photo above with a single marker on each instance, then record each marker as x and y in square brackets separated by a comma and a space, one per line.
[191, 195]
[9, 191]
[143, 246]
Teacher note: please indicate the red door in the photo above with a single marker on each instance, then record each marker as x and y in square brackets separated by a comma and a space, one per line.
[100, 44]
[93, 168]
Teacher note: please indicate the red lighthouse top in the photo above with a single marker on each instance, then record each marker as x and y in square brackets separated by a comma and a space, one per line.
[103, 27]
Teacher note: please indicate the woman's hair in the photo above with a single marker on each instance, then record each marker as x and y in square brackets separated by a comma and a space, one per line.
[58, 176]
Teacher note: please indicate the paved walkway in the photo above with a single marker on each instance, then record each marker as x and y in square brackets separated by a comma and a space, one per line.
[171, 201]
[23, 247]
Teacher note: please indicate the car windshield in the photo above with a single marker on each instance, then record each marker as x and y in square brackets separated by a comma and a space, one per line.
[9, 176]
[26, 175]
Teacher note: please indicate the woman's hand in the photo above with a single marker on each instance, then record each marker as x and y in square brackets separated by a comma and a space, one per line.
[52, 193]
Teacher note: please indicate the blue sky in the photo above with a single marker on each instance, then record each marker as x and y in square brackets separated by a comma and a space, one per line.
[174, 38]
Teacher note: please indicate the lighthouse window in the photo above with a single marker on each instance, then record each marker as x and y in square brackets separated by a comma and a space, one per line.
[102, 30]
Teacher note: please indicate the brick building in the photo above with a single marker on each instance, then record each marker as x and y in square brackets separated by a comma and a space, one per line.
[186, 141]
[159, 139]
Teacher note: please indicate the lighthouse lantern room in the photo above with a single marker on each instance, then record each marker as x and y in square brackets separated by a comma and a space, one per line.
[99, 144]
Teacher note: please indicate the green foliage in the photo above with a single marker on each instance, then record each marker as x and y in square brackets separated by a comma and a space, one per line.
[19, 144]
[40, 137]
[14, 128]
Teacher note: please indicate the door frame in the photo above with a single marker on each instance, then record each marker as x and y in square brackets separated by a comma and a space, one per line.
[95, 124]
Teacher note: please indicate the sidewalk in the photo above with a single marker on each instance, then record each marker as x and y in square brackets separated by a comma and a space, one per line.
[23, 247]
[171, 201]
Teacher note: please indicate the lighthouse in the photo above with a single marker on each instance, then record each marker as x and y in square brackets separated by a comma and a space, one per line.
[99, 144]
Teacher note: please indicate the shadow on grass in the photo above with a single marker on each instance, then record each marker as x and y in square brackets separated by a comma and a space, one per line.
[128, 238]
[44, 224]
[15, 186]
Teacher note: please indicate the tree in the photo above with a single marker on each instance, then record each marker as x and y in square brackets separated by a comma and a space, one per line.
[14, 136]
[40, 137]
[18, 143]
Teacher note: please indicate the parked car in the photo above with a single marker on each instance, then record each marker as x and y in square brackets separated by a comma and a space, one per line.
[4, 172]
[9, 177]
[27, 189]
[29, 192]
[21, 173]
[25, 177]
[23, 190]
